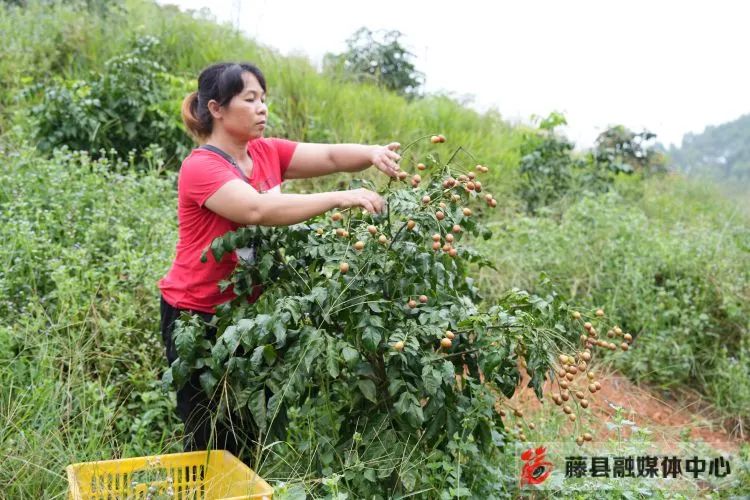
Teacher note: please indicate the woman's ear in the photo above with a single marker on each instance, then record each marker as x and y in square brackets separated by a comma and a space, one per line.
[214, 109]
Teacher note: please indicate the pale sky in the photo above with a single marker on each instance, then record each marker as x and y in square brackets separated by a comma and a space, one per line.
[671, 67]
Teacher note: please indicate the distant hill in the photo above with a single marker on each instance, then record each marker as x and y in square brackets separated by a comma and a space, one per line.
[721, 152]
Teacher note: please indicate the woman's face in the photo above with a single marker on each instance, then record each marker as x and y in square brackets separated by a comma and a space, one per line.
[246, 114]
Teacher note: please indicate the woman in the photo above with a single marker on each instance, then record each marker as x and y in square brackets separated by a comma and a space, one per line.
[219, 190]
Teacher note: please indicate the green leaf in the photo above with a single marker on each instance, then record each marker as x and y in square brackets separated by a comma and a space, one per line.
[431, 379]
[269, 354]
[368, 389]
[257, 406]
[371, 338]
[208, 382]
[350, 355]
[332, 364]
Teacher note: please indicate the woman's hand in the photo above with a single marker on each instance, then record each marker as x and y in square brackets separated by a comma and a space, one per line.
[385, 158]
[369, 200]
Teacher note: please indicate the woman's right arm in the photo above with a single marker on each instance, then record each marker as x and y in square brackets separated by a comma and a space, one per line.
[239, 202]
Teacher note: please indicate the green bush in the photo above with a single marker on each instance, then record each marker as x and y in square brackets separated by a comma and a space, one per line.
[131, 106]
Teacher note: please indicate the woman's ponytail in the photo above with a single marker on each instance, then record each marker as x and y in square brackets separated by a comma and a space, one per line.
[190, 115]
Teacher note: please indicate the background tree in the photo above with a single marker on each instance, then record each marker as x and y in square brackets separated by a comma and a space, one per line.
[626, 151]
[377, 57]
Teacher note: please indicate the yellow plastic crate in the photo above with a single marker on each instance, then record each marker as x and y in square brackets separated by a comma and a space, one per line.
[205, 475]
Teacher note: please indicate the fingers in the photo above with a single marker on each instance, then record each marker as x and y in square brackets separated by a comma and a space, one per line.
[371, 201]
[394, 146]
[367, 205]
[387, 166]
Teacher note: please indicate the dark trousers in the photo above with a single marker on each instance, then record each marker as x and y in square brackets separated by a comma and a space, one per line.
[195, 408]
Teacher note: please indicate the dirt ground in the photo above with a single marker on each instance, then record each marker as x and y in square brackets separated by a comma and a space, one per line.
[686, 416]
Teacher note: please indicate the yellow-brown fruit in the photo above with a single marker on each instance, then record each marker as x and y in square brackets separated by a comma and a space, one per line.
[588, 326]
[319, 231]
[412, 303]
[337, 217]
[584, 403]
[425, 199]
[449, 238]
[565, 395]
[470, 186]
[416, 178]
[442, 205]
[455, 198]
[572, 417]
[471, 175]
[478, 186]
[467, 211]
[598, 385]
[359, 245]
[382, 239]
[440, 215]
[434, 139]
[627, 337]
[488, 197]
[580, 395]
[579, 440]
[600, 312]
[402, 175]
[592, 388]
[567, 409]
[576, 315]
[445, 343]
[564, 384]
[410, 224]
[570, 376]
[587, 436]
[399, 346]
[372, 230]
[344, 268]
[624, 346]
[436, 237]
[420, 166]
[586, 356]
[423, 299]
[462, 178]
[452, 252]
[456, 228]
[518, 413]
[618, 330]
[493, 203]
[340, 231]
[450, 334]
[532, 426]
[447, 247]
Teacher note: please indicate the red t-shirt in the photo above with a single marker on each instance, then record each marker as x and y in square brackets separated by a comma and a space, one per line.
[190, 283]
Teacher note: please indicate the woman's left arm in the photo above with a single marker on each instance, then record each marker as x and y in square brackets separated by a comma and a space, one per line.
[315, 160]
